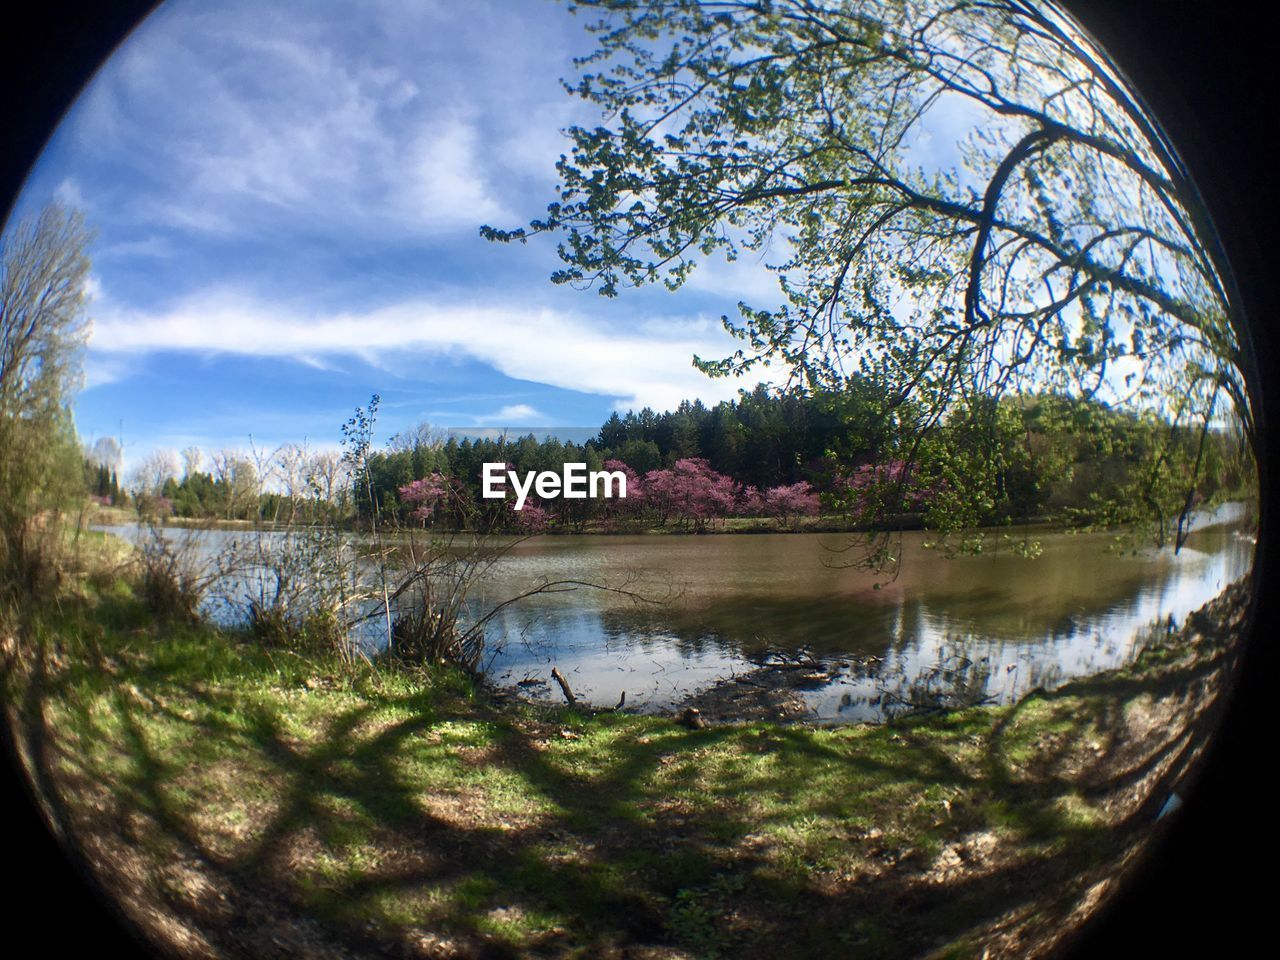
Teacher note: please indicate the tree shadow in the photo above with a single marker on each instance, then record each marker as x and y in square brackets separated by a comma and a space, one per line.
[404, 821]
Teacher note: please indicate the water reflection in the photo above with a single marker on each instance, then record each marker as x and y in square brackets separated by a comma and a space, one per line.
[972, 629]
[946, 631]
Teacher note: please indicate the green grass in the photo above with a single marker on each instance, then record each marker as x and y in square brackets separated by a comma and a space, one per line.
[387, 805]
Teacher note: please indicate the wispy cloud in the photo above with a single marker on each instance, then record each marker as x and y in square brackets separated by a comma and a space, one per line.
[152, 246]
[442, 184]
[102, 370]
[649, 363]
[512, 415]
[287, 198]
[297, 119]
[69, 193]
[746, 279]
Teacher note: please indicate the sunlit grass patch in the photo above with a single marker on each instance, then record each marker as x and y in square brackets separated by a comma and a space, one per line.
[408, 802]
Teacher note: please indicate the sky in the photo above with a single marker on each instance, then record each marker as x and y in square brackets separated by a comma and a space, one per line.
[287, 199]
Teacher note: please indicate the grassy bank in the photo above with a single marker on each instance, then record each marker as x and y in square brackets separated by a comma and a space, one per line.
[244, 802]
[829, 523]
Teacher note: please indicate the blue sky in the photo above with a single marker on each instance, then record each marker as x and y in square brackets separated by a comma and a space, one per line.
[287, 199]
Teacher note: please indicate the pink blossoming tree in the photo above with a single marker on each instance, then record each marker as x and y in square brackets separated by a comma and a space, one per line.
[787, 504]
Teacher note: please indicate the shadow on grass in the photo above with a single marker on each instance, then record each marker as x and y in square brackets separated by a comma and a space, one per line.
[340, 816]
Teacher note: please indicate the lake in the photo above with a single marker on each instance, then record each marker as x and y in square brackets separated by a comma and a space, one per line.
[993, 626]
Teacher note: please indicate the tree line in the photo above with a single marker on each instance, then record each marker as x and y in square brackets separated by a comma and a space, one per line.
[777, 456]
[784, 455]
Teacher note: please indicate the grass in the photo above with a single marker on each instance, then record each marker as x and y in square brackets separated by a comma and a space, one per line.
[236, 786]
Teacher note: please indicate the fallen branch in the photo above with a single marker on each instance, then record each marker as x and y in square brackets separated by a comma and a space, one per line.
[558, 677]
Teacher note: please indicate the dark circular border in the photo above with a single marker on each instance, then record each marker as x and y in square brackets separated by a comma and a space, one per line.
[1209, 74]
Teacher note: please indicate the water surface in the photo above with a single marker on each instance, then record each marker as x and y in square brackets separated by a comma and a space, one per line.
[972, 628]
[991, 626]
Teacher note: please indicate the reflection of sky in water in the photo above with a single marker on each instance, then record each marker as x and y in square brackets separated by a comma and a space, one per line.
[925, 643]
[991, 627]
[927, 655]
[601, 661]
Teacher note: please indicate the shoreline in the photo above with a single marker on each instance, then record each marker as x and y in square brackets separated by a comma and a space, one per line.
[230, 796]
[734, 526]
[768, 693]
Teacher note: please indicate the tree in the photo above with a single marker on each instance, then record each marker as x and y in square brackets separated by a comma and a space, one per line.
[327, 477]
[291, 466]
[690, 491]
[428, 493]
[103, 460]
[44, 268]
[149, 476]
[425, 435]
[236, 480]
[192, 458]
[106, 452]
[1056, 244]
[790, 502]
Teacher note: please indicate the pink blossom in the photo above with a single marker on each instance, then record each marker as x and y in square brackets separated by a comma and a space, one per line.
[635, 486]
[691, 491]
[750, 504]
[531, 518]
[891, 482]
[427, 493]
[792, 501]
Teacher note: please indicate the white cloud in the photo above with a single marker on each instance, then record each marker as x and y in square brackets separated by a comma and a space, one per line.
[304, 127]
[532, 146]
[514, 414]
[234, 116]
[152, 246]
[102, 370]
[645, 364]
[444, 187]
[746, 279]
[68, 192]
